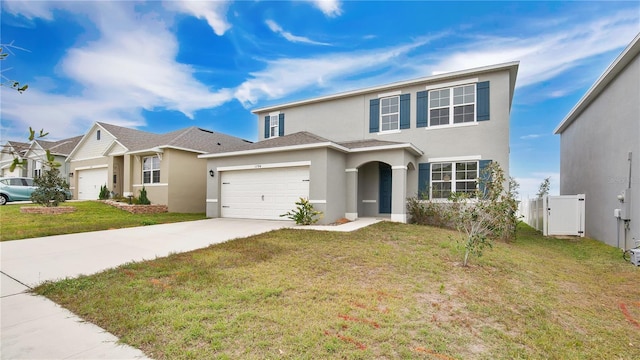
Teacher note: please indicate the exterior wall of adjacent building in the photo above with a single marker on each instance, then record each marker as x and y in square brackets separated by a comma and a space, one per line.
[594, 152]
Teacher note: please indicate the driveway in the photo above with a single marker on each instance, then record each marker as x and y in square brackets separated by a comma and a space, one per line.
[33, 327]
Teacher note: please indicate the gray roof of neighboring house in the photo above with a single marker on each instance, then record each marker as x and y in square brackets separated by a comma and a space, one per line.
[191, 138]
[18, 146]
[60, 147]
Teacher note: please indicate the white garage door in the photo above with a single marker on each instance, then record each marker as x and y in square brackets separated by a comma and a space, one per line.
[263, 193]
[89, 183]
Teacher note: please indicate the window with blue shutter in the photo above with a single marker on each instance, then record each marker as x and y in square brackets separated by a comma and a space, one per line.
[374, 115]
[482, 93]
[267, 126]
[424, 179]
[281, 125]
[405, 111]
[421, 107]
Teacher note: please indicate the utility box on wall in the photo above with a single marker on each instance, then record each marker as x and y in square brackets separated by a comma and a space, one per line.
[625, 206]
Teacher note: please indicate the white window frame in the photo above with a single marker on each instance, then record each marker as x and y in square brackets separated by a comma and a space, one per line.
[274, 126]
[37, 168]
[390, 113]
[453, 180]
[151, 170]
[451, 104]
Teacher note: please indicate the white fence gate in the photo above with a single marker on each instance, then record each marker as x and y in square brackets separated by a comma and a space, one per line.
[564, 215]
[555, 215]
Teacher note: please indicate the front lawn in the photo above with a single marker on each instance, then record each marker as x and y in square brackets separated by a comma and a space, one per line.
[387, 291]
[89, 216]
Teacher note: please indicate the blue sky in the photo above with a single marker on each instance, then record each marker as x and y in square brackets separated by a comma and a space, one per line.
[164, 65]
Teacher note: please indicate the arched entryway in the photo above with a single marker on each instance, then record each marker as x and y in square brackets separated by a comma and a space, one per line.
[375, 189]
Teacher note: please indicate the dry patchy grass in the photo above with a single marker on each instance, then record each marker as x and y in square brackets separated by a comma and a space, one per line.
[386, 291]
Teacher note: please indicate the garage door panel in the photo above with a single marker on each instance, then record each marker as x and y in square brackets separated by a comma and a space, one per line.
[263, 193]
[89, 183]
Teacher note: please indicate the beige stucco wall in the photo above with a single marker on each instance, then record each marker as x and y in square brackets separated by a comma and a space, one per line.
[187, 181]
[157, 193]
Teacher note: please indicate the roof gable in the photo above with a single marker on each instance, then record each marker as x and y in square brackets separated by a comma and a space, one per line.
[616, 67]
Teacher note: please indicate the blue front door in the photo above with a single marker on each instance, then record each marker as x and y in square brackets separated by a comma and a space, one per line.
[385, 189]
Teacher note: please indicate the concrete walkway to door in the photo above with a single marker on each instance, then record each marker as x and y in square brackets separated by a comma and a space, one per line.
[33, 327]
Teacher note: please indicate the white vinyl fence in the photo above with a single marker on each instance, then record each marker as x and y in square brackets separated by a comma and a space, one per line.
[532, 212]
[555, 215]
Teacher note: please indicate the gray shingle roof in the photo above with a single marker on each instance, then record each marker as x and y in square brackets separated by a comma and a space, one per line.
[60, 147]
[192, 138]
[368, 143]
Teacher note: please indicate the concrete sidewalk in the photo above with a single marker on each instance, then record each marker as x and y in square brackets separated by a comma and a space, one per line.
[33, 327]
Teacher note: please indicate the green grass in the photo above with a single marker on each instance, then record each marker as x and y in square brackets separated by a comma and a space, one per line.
[386, 291]
[89, 216]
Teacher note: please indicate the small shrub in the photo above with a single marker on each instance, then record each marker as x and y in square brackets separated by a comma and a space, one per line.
[50, 188]
[143, 199]
[304, 213]
[104, 193]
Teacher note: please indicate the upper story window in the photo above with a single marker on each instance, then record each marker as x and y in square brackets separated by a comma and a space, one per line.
[449, 177]
[453, 105]
[273, 126]
[151, 170]
[390, 113]
[98, 135]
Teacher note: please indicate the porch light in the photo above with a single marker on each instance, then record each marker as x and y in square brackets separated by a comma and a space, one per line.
[211, 173]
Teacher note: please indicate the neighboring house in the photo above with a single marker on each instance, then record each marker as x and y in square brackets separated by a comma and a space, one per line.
[362, 153]
[36, 155]
[10, 150]
[600, 151]
[167, 165]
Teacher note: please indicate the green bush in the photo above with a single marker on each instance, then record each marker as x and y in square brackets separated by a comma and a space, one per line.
[304, 213]
[143, 199]
[104, 193]
[50, 188]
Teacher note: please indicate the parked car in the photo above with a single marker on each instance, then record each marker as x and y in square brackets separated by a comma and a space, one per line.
[20, 189]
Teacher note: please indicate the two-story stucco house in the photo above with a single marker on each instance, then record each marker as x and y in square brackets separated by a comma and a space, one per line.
[362, 153]
[125, 160]
[600, 151]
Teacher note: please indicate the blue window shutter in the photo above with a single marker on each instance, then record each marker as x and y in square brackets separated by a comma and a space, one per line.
[424, 180]
[421, 105]
[482, 93]
[374, 115]
[405, 111]
[266, 127]
[281, 124]
[485, 176]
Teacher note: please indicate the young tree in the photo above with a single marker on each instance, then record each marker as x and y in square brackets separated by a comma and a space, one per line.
[51, 188]
[543, 190]
[488, 213]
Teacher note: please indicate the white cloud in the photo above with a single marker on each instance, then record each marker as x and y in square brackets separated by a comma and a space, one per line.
[546, 56]
[285, 76]
[273, 26]
[29, 9]
[530, 184]
[331, 8]
[213, 11]
[530, 136]
[130, 67]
